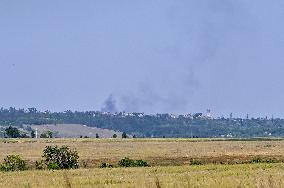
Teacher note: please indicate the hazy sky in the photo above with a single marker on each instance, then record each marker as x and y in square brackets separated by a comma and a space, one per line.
[149, 56]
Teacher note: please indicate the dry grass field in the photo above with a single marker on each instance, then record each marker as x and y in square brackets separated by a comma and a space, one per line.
[169, 160]
[158, 152]
[208, 176]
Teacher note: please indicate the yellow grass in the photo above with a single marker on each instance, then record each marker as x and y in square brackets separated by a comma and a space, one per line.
[210, 176]
[160, 152]
[169, 159]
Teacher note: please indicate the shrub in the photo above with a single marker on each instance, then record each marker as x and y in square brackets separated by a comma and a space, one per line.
[126, 162]
[106, 165]
[13, 163]
[195, 162]
[260, 160]
[53, 166]
[63, 157]
[141, 163]
[39, 165]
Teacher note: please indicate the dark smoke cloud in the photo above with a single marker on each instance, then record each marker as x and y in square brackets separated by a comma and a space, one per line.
[110, 105]
[195, 41]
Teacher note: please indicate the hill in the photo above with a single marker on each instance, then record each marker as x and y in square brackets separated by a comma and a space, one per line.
[75, 131]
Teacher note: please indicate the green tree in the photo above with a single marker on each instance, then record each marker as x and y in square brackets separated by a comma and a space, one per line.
[12, 132]
[114, 136]
[43, 135]
[49, 134]
[33, 134]
[124, 135]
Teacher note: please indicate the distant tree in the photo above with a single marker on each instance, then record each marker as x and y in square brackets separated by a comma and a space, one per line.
[50, 134]
[97, 135]
[33, 134]
[12, 132]
[43, 135]
[134, 136]
[124, 135]
[114, 136]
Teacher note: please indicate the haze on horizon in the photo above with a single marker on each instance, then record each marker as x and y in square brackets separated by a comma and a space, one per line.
[146, 56]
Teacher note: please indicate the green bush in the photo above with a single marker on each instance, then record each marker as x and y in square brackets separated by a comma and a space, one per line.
[126, 162]
[106, 165]
[53, 166]
[13, 163]
[141, 163]
[63, 157]
[39, 165]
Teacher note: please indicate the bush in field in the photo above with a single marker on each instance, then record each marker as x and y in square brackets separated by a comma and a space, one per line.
[106, 165]
[13, 163]
[60, 157]
[141, 163]
[53, 166]
[39, 165]
[195, 162]
[126, 162]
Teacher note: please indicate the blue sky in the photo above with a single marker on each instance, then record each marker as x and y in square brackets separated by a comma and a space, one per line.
[150, 56]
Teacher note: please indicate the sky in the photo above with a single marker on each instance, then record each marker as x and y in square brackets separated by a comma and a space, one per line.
[151, 56]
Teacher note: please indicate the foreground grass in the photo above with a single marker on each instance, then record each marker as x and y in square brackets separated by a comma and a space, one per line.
[211, 176]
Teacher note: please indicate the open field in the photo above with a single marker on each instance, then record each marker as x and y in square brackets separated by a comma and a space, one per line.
[75, 131]
[158, 152]
[208, 176]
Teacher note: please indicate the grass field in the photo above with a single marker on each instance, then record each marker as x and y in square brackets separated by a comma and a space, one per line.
[209, 176]
[158, 152]
[169, 160]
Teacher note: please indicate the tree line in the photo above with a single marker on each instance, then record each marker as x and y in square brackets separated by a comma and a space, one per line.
[159, 125]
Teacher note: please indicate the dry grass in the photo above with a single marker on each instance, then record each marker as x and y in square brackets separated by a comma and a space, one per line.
[169, 153]
[161, 152]
[210, 176]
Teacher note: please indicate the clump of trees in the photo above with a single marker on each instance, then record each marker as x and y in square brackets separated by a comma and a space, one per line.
[54, 158]
[13, 132]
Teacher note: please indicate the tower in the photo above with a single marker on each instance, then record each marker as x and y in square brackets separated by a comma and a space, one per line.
[36, 133]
